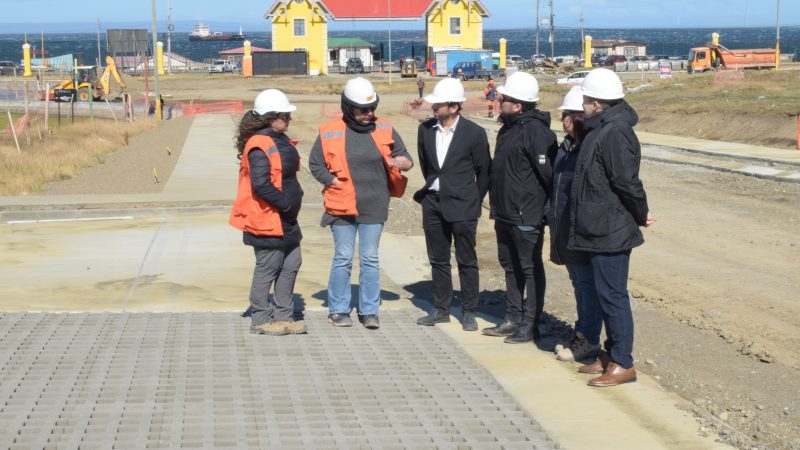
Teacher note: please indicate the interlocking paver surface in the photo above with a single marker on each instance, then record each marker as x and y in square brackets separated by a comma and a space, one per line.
[200, 380]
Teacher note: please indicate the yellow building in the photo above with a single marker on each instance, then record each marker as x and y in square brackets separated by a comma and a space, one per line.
[455, 24]
[301, 25]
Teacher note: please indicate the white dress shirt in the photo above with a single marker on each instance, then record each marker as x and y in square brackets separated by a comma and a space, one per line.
[443, 139]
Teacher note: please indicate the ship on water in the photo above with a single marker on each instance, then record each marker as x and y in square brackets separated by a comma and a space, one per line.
[202, 33]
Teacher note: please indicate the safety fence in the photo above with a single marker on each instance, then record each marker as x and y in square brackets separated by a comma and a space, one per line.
[232, 108]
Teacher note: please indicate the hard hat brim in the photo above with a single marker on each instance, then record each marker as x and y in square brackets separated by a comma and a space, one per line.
[430, 98]
[287, 108]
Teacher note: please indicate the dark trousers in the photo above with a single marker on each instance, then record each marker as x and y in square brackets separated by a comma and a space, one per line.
[611, 284]
[278, 266]
[439, 236]
[520, 254]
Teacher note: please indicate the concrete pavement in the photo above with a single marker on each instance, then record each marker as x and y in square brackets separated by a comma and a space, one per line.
[172, 259]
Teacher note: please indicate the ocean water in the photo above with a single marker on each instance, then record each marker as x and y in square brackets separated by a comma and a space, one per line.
[672, 42]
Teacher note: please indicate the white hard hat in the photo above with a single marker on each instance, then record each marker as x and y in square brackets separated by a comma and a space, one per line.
[573, 101]
[272, 100]
[360, 91]
[449, 90]
[602, 84]
[521, 86]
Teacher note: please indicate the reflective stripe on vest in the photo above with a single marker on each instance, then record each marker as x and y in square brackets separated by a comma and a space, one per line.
[250, 213]
[341, 200]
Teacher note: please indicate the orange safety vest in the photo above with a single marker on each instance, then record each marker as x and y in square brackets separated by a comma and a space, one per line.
[250, 213]
[341, 200]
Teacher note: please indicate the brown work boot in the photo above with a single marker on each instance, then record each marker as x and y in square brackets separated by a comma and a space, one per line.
[598, 366]
[614, 376]
[270, 328]
[295, 327]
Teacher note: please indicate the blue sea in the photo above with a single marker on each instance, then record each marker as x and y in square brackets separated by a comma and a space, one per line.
[672, 42]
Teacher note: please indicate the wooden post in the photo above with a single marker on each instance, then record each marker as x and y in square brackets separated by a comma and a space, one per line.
[47, 108]
[27, 114]
[13, 131]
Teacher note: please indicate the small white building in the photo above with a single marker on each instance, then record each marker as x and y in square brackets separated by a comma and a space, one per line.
[342, 49]
[618, 47]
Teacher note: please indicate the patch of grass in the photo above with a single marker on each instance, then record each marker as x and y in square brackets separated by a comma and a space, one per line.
[64, 154]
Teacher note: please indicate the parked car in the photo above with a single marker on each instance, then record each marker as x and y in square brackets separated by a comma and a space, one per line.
[613, 59]
[472, 70]
[538, 59]
[660, 57]
[354, 65]
[640, 58]
[574, 79]
[10, 68]
[220, 66]
[516, 60]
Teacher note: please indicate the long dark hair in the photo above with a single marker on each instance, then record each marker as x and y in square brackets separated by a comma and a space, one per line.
[251, 123]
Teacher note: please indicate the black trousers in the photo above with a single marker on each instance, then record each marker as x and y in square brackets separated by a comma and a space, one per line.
[520, 256]
[439, 236]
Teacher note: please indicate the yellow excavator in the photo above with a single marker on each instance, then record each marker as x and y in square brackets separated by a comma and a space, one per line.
[86, 77]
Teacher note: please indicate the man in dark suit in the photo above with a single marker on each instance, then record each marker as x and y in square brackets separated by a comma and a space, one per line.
[455, 161]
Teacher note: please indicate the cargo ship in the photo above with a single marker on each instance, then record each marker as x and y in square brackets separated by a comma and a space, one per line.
[202, 33]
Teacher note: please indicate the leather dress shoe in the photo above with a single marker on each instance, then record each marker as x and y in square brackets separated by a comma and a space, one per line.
[468, 322]
[506, 328]
[433, 318]
[598, 366]
[614, 376]
[525, 333]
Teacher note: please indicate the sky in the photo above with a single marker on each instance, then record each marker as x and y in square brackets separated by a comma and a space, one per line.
[20, 15]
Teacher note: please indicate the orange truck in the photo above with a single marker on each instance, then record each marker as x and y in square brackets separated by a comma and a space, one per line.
[716, 56]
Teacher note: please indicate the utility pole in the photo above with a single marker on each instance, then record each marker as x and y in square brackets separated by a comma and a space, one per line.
[552, 32]
[389, 13]
[778, 39]
[157, 94]
[583, 39]
[170, 29]
[99, 57]
[537, 26]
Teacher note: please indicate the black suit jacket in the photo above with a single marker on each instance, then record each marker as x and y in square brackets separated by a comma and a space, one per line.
[464, 176]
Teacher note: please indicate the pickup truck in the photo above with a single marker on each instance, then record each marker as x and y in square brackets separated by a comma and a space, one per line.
[471, 71]
[221, 66]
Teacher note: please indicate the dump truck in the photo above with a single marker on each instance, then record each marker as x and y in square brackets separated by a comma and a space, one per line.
[715, 56]
[86, 77]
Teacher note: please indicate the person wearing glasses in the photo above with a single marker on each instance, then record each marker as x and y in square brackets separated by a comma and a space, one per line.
[266, 208]
[358, 159]
[454, 158]
[519, 189]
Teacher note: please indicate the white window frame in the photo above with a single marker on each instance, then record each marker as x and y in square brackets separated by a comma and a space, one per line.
[294, 30]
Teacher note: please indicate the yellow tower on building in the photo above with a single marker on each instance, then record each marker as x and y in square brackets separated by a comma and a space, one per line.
[455, 24]
[301, 25]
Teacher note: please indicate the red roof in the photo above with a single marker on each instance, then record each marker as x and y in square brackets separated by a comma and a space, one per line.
[239, 50]
[377, 9]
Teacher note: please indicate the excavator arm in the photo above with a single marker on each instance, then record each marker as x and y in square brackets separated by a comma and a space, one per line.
[105, 78]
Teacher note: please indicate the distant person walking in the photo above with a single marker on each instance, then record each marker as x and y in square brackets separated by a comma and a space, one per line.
[266, 208]
[358, 160]
[520, 184]
[420, 85]
[609, 205]
[585, 341]
[490, 92]
[454, 158]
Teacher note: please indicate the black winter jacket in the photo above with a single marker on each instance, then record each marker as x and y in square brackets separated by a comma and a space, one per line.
[558, 212]
[287, 199]
[521, 175]
[608, 199]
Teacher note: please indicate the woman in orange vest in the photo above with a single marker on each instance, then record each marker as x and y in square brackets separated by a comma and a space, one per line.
[358, 159]
[266, 208]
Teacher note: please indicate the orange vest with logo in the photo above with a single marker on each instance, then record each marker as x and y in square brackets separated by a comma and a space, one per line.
[250, 213]
[341, 200]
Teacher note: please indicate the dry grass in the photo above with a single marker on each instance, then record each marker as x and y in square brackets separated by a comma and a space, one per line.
[64, 154]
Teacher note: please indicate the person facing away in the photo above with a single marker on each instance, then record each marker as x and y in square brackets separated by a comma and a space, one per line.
[454, 159]
[609, 204]
[585, 340]
[420, 85]
[520, 185]
[358, 160]
[266, 208]
[490, 92]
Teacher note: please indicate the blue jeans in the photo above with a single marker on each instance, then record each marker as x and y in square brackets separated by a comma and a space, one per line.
[611, 283]
[369, 278]
[590, 316]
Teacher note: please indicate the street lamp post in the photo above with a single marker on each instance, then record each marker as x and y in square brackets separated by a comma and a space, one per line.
[157, 98]
[778, 38]
[389, 9]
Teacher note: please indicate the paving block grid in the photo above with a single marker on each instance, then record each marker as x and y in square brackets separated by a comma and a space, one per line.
[201, 380]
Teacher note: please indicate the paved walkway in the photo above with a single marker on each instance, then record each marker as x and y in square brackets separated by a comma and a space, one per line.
[106, 376]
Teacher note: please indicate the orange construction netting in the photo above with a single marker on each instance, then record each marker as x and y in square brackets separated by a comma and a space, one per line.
[190, 109]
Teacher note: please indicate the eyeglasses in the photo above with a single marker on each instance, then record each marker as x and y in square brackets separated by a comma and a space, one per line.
[284, 116]
[364, 110]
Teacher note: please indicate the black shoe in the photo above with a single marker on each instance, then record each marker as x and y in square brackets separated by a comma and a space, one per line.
[248, 312]
[340, 320]
[433, 318]
[525, 333]
[371, 322]
[506, 328]
[468, 322]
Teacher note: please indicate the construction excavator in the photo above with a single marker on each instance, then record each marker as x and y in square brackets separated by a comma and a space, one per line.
[86, 78]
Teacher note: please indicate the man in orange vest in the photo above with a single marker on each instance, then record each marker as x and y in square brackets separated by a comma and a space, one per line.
[358, 159]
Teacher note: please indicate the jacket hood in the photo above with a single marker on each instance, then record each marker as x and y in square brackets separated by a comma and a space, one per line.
[510, 120]
[621, 112]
